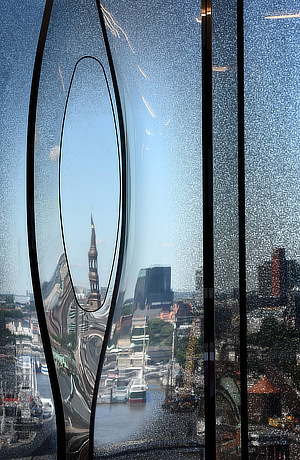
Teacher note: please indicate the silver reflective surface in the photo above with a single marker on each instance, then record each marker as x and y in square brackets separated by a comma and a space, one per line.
[76, 338]
[76, 168]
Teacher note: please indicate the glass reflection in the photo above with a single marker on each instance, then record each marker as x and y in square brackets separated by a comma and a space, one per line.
[272, 190]
[26, 406]
[76, 337]
[151, 388]
[155, 351]
[89, 173]
[27, 419]
[75, 166]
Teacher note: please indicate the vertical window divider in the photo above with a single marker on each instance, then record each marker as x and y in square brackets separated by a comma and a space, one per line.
[31, 234]
[242, 242]
[123, 222]
[208, 236]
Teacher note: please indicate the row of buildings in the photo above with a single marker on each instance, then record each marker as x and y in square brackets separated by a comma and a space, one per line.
[26, 326]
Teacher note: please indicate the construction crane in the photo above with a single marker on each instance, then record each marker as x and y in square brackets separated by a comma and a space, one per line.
[188, 376]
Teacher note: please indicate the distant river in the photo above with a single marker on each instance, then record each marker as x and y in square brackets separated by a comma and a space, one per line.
[43, 383]
[121, 424]
[145, 430]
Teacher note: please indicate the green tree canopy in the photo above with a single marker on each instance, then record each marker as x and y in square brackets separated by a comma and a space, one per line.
[160, 332]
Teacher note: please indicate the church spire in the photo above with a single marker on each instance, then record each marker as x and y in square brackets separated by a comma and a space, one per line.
[93, 236]
[94, 298]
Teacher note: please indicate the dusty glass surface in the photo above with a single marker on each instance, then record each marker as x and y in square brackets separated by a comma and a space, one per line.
[151, 388]
[226, 243]
[272, 213]
[26, 407]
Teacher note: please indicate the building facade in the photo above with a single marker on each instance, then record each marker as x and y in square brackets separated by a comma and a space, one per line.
[153, 289]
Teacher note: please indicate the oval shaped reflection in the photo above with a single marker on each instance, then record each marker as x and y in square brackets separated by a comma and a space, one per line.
[89, 185]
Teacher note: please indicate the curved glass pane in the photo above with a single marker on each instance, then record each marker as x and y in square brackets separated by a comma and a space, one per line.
[27, 417]
[151, 388]
[272, 213]
[75, 130]
[89, 174]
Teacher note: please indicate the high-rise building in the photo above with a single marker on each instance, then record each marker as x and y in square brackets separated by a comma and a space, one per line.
[94, 297]
[278, 277]
[153, 289]
[279, 273]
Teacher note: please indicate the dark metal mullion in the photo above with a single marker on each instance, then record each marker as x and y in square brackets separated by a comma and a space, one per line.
[242, 242]
[61, 435]
[208, 236]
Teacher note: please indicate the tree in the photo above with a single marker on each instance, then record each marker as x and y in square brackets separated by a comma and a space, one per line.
[127, 309]
[160, 332]
[5, 335]
[281, 344]
[181, 347]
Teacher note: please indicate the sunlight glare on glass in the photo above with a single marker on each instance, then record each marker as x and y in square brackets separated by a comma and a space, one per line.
[220, 68]
[283, 16]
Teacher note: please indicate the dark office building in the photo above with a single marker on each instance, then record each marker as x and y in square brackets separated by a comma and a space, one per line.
[279, 273]
[265, 279]
[153, 289]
